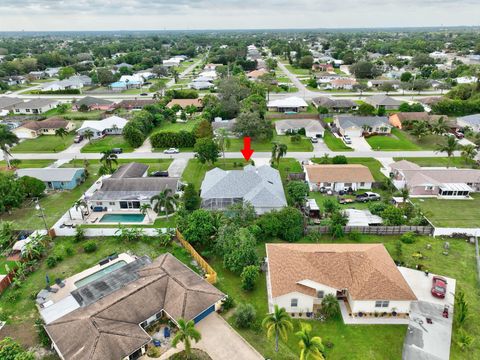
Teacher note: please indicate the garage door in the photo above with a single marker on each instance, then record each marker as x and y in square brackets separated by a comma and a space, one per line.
[204, 314]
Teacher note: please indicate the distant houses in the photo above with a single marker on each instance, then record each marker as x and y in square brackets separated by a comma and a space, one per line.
[290, 104]
[35, 106]
[33, 129]
[56, 178]
[92, 103]
[312, 128]
[383, 101]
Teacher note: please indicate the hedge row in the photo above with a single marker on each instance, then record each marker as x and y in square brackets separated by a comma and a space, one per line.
[181, 139]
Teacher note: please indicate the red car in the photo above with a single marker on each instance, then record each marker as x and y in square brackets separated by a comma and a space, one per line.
[439, 287]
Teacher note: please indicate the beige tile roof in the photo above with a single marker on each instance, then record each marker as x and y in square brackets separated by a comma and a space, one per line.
[366, 270]
[186, 102]
[338, 173]
[109, 328]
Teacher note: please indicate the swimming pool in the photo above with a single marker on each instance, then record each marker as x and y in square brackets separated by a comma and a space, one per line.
[122, 218]
[100, 273]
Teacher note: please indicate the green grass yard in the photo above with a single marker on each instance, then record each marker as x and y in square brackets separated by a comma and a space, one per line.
[44, 144]
[107, 143]
[297, 71]
[452, 213]
[334, 143]
[79, 115]
[304, 144]
[195, 171]
[398, 140]
[30, 163]
[438, 161]
[4, 264]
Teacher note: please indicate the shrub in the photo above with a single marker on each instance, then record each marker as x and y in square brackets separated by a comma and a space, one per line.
[249, 277]
[291, 224]
[32, 187]
[354, 236]
[53, 260]
[154, 352]
[182, 94]
[90, 246]
[42, 334]
[339, 159]
[69, 250]
[408, 238]
[228, 303]
[295, 139]
[245, 315]
[79, 234]
[164, 139]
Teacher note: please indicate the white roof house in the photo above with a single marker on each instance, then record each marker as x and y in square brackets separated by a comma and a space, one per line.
[292, 103]
[313, 128]
[112, 125]
[132, 78]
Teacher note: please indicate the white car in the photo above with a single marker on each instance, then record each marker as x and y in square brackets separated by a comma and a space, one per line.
[171, 151]
[347, 140]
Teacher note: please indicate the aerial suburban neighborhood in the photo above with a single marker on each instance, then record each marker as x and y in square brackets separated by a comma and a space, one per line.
[201, 189]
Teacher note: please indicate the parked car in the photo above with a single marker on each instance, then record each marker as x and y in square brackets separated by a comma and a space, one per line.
[143, 94]
[368, 196]
[439, 287]
[78, 139]
[347, 140]
[457, 134]
[171, 151]
[314, 140]
[117, 150]
[159, 174]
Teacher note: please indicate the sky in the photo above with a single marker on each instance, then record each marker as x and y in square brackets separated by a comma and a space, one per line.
[50, 15]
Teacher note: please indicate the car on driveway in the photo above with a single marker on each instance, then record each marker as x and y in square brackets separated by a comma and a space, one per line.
[347, 140]
[78, 139]
[439, 287]
[368, 196]
[171, 151]
[117, 150]
[143, 94]
[159, 174]
[314, 140]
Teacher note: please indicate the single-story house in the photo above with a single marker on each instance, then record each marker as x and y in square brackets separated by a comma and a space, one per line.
[326, 78]
[183, 103]
[256, 74]
[8, 103]
[52, 72]
[364, 217]
[56, 178]
[35, 106]
[338, 177]
[62, 85]
[343, 83]
[33, 129]
[128, 188]
[260, 186]
[14, 80]
[36, 75]
[447, 183]
[123, 65]
[313, 128]
[220, 123]
[106, 318]
[355, 126]
[93, 103]
[363, 277]
[398, 119]
[171, 62]
[472, 121]
[136, 104]
[289, 104]
[118, 86]
[200, 85]
[134, 80]
[322, 67]
[112, 125]
[335, 105]
[378, 83]
[387, 102]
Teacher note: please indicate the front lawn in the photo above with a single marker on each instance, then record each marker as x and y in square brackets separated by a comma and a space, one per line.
[44, 144]
[107, 143]
[334, 143]
[398, 140]
[195, 171]
[362, 341]
[438, 161]
[29, 164]
[451, 213]
[297, 70]
[79, 115]
[304, 145]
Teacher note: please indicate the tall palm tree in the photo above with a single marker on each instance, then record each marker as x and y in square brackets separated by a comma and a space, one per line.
[164, 200]
[449, 147]
[88, 134]
[185, 334]
[81, 204]
[469, 152]
[419, 129]
[278, 323]
[61, 133]
[7, 140]
[278, 151]
[144, 210]
[440, 127]
[108, 159]
[223, 141]
[311, 347]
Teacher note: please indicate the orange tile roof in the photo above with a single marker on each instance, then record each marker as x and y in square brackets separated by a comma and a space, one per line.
[366, 270]
[338, 173]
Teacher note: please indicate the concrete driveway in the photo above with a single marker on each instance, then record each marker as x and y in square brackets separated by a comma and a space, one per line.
[220, 341]
[359, 143]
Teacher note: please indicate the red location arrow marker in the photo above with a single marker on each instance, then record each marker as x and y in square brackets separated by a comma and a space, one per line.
[247, 151]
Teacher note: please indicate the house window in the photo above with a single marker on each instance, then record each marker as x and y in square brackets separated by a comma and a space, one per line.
[380, 304]
[320, 294]
[428, 187]
[111, 203]
[294, 303]
[98, 203]
[362, 184]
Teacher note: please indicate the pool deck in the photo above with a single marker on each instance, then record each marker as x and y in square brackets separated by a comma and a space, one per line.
[94, 218]
[70, 282]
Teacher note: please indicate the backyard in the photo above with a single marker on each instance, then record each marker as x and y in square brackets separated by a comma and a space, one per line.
[107, 143]
[44, 144]
[334, 143]
[452, 213]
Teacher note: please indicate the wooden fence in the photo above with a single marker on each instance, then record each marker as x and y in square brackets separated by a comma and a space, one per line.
[376, 230]
[210, 274]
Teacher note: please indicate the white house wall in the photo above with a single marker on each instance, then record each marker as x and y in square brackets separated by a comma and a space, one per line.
[368, 306]
[305, 302]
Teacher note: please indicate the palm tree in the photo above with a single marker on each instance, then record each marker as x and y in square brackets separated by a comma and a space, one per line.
[469, 152]
[185, 334]
[144, 210]
[278, 151]
[278, 323]
[80, 204]
[311, 347]
[108, 159]
[7, 140]
[330, 307]
[440, 127]
[223, 141]
[61, 133]
[419, 129]
[449, 147]
[88, 134]
[164, 200]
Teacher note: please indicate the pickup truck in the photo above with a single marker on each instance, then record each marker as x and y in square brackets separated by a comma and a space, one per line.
[368, 196]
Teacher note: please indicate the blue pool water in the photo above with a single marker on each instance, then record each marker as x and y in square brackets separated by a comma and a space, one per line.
[122, 218]
[100, 273]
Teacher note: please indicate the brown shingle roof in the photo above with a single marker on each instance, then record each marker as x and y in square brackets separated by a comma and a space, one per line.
[338, 173]
[185, 102]
[366, 270]
[52, 123]
[109, 328]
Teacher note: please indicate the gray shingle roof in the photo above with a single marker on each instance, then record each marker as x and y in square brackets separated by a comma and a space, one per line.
[382, 100]
[130, 170]
[90, 100]
[8, 102]
[333, 103]
[471, 119]
[49, 174]
[35, 104]
[347, 121]
[261, 186]
[307, 124]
